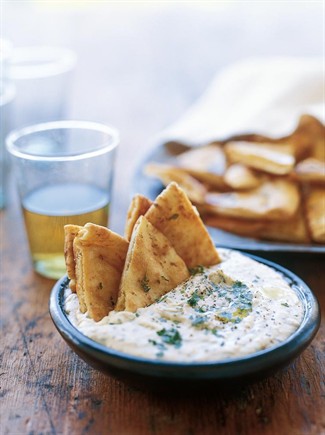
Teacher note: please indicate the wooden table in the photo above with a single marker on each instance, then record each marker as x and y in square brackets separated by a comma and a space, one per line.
[45, 387]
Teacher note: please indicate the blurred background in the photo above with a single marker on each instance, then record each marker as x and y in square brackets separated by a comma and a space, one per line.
[141, 64]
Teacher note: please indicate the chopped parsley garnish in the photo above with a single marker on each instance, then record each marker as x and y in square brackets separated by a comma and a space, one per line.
[239, 285]
[240, 304]
[160, 347]
[195, 270]
[216, 333]
[243, 296]
[241, 313]
[153, 342]
[199, 321]
[162, 298]
[145, 284]
[170, 336]
[224, 317]
[229, 318]
[285, 305]
[202, 309]
[194, 299]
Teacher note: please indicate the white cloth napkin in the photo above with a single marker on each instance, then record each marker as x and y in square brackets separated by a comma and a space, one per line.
[264, 96]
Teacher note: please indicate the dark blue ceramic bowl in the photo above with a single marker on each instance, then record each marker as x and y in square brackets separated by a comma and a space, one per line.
[161, 375]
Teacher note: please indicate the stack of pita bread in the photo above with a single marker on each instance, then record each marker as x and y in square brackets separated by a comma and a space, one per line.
[163, 241]
[257, 186]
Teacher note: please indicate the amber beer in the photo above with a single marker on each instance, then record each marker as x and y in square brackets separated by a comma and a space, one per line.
[46, 211]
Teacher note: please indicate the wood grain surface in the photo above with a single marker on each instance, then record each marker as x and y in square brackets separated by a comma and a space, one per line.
[139, 69]
[47, 389]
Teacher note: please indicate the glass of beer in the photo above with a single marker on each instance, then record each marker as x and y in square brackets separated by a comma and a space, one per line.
[64, 171]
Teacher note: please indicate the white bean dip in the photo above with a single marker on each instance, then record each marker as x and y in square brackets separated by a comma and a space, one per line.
[233, 309]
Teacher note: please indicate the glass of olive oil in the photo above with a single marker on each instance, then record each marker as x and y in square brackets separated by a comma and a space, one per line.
[64, 171]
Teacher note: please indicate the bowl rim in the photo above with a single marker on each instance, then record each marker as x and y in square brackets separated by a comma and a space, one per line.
[244, 365]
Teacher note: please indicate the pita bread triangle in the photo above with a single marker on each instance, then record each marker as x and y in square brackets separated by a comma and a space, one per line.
[138, 207]
[99, 257]
[152, 268]
[70, 232]
[315, 213]
[173, 214]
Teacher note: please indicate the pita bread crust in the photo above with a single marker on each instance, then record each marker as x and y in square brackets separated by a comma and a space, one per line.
[100, 256]
[292, 230]
[152, 268]
[241, 177]
[173, 214]
[243, 227]
[70, 232]
[315, 211]
[138, 207]
[310, 170]
[275, 159]
[79, 280]
[309, 138]
[206, 163]
[194, 189]
[274, 199]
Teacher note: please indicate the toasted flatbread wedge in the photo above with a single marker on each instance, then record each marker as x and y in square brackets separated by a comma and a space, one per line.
[310, 170]
[315, 212]
[309, 138]
[70, 232]
[100, 256]
[173, 214]
[292, 230]
[152, 268]
[207, 164]
[243, 227]
[274, 199]
[275, 159]
[138, 207]
[240, 177]
[195, 190]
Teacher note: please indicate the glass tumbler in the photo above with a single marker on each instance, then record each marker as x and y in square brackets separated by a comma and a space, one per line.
[64, 172]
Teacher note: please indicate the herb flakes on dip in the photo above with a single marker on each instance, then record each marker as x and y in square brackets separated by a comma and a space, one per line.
[233, 309]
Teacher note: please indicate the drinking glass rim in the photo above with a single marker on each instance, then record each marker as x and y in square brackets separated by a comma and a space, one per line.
[35, 62]
[62, 125]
